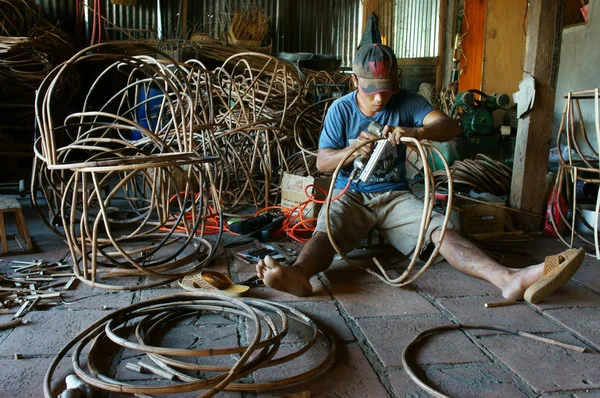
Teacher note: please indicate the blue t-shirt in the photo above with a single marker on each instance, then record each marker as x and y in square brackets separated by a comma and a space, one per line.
[344, 121]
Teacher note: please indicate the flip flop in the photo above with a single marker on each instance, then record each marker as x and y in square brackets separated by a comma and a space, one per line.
[212, 282]
[558, 269]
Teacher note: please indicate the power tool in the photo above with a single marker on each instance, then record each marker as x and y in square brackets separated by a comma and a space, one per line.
[254, 225]
[364, 166]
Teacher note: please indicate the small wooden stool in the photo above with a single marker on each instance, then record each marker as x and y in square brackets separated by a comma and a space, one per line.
[11, 205]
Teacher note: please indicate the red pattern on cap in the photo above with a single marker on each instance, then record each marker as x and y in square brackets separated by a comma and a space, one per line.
[379, 68]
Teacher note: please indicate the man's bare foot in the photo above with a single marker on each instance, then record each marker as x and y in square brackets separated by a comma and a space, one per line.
[285, 279]
[521, 280]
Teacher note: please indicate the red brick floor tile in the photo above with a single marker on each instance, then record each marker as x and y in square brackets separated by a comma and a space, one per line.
[373, 300]
[557, 396]
[403, 386]
[24, 377]
[442, 280]
[588, 274]
[47, 332]
[583, 322]
[389, 337]
[518, 316]
[470, 381]
[350, 376]
[587, 394]
[570, 295]
[326, 315]
[547, 368]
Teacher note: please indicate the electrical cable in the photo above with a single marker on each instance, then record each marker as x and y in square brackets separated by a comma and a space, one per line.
[295, 221]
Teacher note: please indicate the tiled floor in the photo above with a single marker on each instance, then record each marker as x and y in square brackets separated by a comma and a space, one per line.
[372, 323]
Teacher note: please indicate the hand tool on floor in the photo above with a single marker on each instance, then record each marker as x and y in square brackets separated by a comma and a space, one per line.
[260, 227]
[289, 259]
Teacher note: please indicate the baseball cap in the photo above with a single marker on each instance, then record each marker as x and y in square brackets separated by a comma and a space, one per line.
[376, 67]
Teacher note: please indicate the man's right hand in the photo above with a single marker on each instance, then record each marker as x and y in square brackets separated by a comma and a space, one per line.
[329, 158]
[368, 148]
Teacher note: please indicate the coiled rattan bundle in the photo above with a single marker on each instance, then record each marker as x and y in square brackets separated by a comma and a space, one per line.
[148, 324]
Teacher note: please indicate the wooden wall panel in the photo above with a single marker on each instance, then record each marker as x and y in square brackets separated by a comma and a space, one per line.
[384, 9]
[504, 44]
[472, 44]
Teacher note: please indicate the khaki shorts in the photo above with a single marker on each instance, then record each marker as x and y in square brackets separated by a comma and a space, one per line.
[395, 214]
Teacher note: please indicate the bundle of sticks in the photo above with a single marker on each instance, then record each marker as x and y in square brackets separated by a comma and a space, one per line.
[249, 26]
[445, 99]
[30, 47]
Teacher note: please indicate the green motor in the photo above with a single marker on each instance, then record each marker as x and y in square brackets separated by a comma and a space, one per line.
[476, 116]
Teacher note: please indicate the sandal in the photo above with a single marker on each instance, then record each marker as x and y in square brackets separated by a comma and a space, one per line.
[212, 282]
[558, 269]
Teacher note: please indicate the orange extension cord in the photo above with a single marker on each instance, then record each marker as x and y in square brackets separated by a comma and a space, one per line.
[295, 225]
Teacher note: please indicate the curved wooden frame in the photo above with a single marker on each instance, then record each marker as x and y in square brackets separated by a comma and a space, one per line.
[569, 174]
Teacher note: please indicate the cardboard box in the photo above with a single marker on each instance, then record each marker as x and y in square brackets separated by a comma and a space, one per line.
[292, 192]
[481, 218]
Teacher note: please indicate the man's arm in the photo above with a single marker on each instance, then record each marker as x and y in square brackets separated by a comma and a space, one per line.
[437, 126]
[329, 158]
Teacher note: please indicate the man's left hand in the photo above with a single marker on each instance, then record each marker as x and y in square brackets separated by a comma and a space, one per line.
[394, 134]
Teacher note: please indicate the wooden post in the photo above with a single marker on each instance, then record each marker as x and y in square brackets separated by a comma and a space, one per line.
[184, 15]
[544, 32]
[384, 10]
[439, 73]
[473, 24]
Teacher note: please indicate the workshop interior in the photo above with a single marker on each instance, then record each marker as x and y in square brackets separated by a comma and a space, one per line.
[158, 157]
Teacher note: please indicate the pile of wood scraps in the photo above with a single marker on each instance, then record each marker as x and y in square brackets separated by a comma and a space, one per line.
[498, 244]
[33, 285]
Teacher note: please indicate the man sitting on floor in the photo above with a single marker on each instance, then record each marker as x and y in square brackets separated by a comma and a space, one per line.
[385, 202]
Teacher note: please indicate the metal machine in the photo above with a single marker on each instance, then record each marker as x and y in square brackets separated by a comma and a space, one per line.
[476, 114]
[474, 111]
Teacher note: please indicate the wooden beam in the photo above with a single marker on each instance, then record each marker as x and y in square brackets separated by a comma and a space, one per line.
[184, 13]
[473, 31]
[503, 50]
[430, 61]
[439, 73]
[544, 31]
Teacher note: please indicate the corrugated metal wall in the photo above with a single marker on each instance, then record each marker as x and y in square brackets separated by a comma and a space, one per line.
[314, 26]
[416, 28]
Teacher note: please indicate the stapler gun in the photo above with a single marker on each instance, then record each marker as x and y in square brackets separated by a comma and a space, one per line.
[365, 166]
